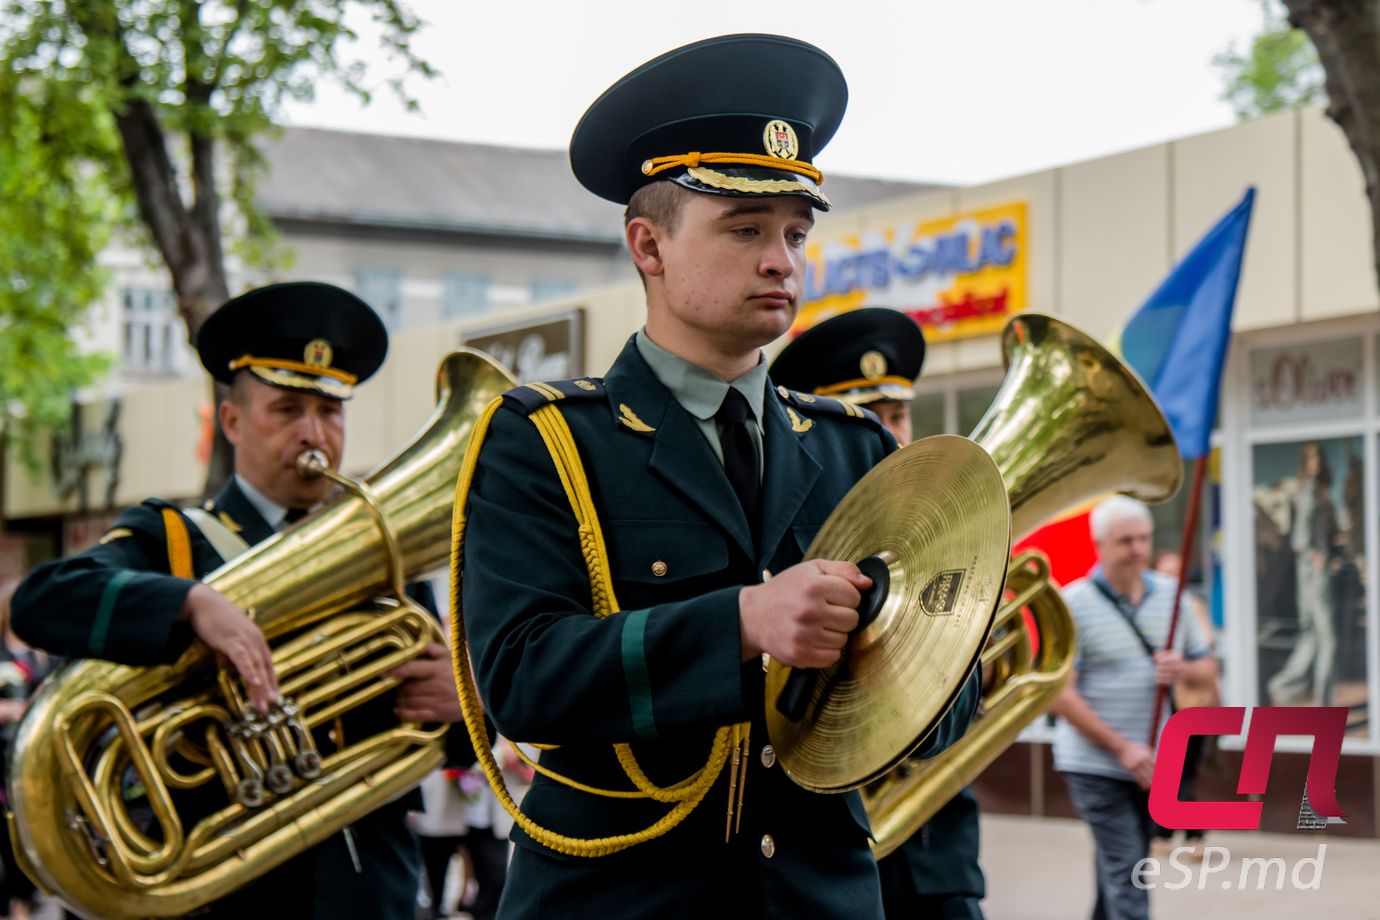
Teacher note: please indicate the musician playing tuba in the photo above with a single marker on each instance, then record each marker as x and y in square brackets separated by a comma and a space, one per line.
[291, 355]
[871, 358]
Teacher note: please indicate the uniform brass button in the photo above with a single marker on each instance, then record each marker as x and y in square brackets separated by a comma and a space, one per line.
[768, 755]
[658, 568]
[768, 846]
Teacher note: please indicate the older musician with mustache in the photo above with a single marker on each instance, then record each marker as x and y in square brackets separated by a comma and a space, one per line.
[291, 355]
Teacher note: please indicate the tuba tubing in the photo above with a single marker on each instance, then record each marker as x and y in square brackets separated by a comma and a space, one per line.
[1070, 422]
[93, 720]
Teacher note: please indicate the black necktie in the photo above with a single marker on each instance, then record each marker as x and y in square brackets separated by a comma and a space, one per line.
[293, 516]
[740, 450]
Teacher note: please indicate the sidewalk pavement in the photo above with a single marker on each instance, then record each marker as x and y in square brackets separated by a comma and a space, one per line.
[1041, 869]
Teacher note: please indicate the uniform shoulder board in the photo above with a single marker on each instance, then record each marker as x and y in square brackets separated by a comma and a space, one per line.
[826, 405]
[532, 396]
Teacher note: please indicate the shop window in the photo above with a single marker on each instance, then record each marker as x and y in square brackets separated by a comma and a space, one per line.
[1307, 503]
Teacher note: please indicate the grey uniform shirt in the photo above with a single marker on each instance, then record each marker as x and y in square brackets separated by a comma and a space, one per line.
[701, 392]
[273, 513]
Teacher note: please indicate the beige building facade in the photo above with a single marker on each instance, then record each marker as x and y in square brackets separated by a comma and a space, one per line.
[1092, 241]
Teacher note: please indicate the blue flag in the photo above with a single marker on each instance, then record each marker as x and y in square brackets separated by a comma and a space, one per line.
[1177, 341]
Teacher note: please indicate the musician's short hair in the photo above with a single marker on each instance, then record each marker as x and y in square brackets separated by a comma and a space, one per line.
[238, 391]
[661, 203]
[1113, 509]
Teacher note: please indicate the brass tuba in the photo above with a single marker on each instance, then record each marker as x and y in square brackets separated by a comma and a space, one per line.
[1070, 423]
[314, 590]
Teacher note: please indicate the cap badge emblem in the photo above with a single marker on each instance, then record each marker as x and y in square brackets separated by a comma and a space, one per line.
[317, 353]
[873, 365]
[780, 140]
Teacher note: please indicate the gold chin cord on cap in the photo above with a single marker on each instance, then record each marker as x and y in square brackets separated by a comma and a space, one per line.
[284, 364]
[861, 383]
[691, 160]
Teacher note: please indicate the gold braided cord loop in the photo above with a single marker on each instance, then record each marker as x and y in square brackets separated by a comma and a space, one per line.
[691, 160]
[688, 793]
[566, 456]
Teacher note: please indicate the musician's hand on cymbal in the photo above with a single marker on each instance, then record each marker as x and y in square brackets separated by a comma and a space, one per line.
[427, 692]
[803, 615]
[234, 638]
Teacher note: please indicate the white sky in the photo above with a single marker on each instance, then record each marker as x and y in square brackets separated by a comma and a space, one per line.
[960, 91]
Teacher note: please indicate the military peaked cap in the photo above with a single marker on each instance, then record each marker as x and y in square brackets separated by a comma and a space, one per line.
[863, 356]
[740, 115]
[301, 335]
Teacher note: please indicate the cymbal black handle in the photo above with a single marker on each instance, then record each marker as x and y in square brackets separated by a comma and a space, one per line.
[800, 683]
[874, 567]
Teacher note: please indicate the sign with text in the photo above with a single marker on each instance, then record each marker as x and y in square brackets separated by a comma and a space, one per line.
[957, 276]
[542, 348]
[1307, 383]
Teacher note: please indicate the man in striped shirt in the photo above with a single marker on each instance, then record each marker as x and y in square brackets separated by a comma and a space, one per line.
[1122, 610]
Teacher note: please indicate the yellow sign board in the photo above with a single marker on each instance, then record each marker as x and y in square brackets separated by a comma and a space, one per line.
[957, 276]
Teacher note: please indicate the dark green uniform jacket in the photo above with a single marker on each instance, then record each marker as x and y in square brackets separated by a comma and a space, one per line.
[667, 671]
[116, 601]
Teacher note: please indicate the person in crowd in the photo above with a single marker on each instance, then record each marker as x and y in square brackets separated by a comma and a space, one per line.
[1102, 745]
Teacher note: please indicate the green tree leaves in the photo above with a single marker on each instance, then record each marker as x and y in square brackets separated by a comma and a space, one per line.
[1279, 71]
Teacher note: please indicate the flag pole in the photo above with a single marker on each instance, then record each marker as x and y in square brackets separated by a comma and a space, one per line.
[1190, 534]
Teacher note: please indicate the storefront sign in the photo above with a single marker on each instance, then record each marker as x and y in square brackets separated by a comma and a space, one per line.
[1307, 382]
[544, 348]
[958, 276]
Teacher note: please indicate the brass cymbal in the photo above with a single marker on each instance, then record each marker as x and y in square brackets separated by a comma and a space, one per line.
[937, 514]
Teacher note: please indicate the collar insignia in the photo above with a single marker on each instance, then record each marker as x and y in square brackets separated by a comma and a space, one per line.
[798, 424]
[629, 418]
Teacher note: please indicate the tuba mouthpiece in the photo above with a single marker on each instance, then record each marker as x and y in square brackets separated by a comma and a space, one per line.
[312, 463]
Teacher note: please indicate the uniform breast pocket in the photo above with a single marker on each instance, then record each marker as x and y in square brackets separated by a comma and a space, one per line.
[662, 561]
[805, 535]
[793, 546]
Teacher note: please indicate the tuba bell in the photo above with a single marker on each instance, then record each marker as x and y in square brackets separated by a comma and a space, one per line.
[1070, 422]
[315, 590]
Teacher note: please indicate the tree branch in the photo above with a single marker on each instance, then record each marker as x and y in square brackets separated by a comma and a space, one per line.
[206, 286]
[1347, 36]
[154, 179]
